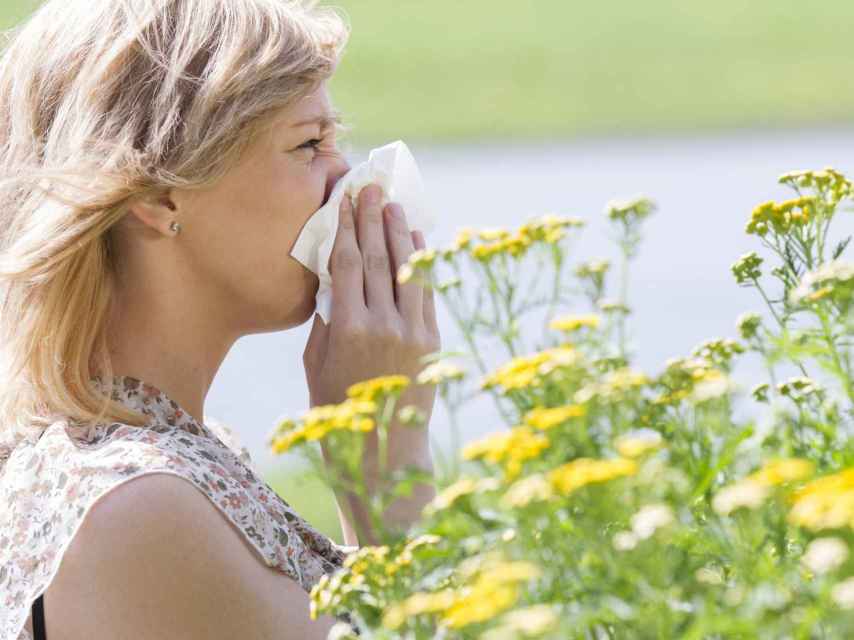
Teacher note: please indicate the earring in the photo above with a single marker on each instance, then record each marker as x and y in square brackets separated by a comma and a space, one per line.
[175, 227]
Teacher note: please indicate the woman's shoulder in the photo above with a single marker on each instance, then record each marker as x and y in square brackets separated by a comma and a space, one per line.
[186, 563]
[48, 487]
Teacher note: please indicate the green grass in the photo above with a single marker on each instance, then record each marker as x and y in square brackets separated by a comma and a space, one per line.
[305, 492]
[451, 71]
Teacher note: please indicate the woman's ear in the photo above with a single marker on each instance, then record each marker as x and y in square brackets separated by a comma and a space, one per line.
[157, 212]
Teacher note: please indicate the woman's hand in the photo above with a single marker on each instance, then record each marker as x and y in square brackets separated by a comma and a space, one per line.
[377, 326]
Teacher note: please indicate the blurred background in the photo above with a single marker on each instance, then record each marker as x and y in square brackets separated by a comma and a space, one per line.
[513, 110]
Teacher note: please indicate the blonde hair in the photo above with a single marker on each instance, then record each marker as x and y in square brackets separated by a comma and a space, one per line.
[102, 101]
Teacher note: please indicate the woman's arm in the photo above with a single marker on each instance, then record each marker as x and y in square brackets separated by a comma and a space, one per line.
[156, 559]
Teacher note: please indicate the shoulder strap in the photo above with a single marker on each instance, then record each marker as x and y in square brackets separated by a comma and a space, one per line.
[39, 632]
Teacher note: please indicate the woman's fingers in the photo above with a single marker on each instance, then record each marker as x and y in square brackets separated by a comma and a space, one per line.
[345, 267]
[410, 294]
[429, 302]
[375, 259]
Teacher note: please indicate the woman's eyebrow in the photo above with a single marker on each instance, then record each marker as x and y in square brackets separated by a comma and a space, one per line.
[325, 120]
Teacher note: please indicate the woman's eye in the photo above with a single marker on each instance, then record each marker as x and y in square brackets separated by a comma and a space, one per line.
[314, 143]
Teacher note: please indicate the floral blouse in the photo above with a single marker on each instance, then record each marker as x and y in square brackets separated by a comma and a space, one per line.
[48, 486]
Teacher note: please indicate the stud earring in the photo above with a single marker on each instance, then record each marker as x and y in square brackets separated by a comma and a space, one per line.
[175, 227]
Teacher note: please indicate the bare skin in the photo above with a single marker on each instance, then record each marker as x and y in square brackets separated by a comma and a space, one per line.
[184, 300]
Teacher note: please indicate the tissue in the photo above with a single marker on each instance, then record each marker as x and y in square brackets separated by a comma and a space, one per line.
[394, 169]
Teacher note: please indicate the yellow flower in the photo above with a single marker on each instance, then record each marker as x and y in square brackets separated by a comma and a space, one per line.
[350, 415]
[528, 621]
[493, 234]
[826, 502]
[546, 418]
[553, 236]
[463, 238]
[365, 557]
[832, 185]
[630, 211]
[422, 258]
[417, 603]
[781, 216]
[494, 590]
[509, 447]
[369, 390]
[526, 371]
[483, 601]
[778, 471]
[526, 490]
[464, 486]
[418, 259]
[739, 494]
[636, 443]
[286, 435]
[439, 372]
[540, 228]
[614, 384]
[516, 246]
[571, 323]
[405, 557]
[583, 471]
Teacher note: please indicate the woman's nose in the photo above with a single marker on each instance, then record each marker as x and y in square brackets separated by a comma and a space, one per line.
[335, 173]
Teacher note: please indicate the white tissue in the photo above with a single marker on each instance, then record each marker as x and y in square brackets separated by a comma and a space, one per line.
[394, 169]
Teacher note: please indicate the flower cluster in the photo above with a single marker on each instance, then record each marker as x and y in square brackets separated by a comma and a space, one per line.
[574, 322]
[489, 584]
[748, 325]
[683, 376]
[530, 371]
[351, 415]
[612, 385]
[751, 491]
[372, 390]
[583, 471]
[746, 268]
[719, 352]
[419, 259]
[832, 281]
[548, 229]
[781, 216]
[544, 418]
[466, 485]
[630, 211]
[638, 442]
[508, 448]
[799, 388]
[829, 183]
[439, 373]
[825, 503]
[616, 504]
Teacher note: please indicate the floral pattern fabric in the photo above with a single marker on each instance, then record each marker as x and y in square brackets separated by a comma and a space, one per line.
[48, 486]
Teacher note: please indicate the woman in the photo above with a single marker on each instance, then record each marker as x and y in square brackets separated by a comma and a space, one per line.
[159, 159]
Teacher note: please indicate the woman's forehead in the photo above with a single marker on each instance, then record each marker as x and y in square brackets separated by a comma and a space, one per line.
[309, 107]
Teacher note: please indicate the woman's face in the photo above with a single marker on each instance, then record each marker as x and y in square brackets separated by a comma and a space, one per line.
[237, 236]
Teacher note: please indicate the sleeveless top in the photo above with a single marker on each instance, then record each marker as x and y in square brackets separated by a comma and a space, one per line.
[47, 487]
